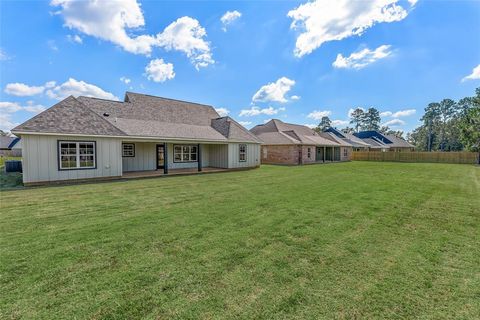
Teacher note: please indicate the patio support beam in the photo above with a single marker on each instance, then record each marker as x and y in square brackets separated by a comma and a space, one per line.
[199, 160]
[324, 151]
[165, 159]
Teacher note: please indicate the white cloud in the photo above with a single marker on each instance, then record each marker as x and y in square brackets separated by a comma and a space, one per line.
[12, 107]
[295, 98]
[34, 108]
[321, 21]
[186, 35]
[404, 113]
[6, 123]
[3, 55]
[255, 111]
[413, 2]
[159, 71]
[245, 123]
[394, 123]
[223, 112]
[362, 58]
[337, 123]
[274, 91]
[23, 90]
[318, 115]
[474, 75]
[398, 114]
[228, 18]
[266, 120]
[78, 88]
[107, 20]
[9, 107]
[75, 38]
[310, 125]
[125, 80]
[115, 21]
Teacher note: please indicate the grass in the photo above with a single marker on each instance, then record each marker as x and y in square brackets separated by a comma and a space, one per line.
[352, 240]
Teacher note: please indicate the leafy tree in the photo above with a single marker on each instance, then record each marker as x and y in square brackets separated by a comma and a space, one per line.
[357, 118]
[325, 123]
[431, 120]
[387, 130]
[470, 125]
[447, 110]
[348, 130]
[448, 125]
[371, 119]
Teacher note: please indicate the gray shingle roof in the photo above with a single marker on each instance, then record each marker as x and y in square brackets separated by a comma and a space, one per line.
[278, 132]
[5, 142]
[398, 142]
[233, 130]
[139, 115]
[69, 116]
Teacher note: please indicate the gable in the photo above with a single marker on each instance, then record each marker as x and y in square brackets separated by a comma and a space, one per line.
[69, 116]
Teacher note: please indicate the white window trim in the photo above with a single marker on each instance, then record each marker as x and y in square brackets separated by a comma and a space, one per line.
[133, 150]
[77, 154]
[240, 152]
[189, 153]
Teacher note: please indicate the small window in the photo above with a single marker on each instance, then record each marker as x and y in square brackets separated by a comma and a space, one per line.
[76, 155]
[309, 153]
[128, 150]
[185, 153]
[345, 152]
[242, 152]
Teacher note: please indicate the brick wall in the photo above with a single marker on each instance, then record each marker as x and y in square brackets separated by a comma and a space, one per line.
[280, 154]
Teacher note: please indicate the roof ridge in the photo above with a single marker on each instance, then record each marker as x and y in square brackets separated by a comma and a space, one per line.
[100, 117]
[164, 98]
[117, 101]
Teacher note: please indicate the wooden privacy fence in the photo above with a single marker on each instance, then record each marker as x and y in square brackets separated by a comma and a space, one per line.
[440, 157]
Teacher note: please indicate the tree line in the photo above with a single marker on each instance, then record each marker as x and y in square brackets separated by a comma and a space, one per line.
[449, 125]
[361, 120]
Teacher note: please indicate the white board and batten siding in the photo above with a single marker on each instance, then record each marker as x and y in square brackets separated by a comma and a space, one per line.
[145, 157]
[40, 159]
[253, 155]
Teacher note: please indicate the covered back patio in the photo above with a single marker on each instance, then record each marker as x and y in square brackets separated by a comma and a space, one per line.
[327, 154]
[146, 158]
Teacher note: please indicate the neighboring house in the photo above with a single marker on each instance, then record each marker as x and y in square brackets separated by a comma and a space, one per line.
[357, 143]
[292, 144]
[384, 142]
[87, 138]
[9, 147]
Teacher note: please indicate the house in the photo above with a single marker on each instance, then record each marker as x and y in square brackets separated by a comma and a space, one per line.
[292, 144]
[384, 142]
[9, 146]
[357, 143]
[89, 138]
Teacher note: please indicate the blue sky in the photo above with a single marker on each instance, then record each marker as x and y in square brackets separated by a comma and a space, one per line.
[292, 60]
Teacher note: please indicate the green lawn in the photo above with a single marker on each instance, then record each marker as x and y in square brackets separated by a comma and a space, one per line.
[350, 240]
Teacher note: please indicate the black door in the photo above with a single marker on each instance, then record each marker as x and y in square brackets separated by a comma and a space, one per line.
[160, 156]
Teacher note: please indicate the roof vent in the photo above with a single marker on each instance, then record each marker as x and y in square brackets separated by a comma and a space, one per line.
[105, 114]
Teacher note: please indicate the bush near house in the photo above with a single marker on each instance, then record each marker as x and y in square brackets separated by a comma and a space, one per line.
[350, 240]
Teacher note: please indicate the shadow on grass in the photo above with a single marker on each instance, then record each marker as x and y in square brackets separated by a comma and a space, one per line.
[10, 180]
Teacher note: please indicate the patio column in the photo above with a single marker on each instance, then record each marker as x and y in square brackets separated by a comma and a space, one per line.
[165, 158]
[324, 151]
[199, 160]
